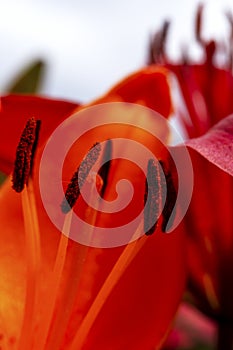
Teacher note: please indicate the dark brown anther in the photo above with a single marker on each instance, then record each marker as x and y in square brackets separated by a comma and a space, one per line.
[157, 51]
[198, 24]
[73, 190]
[153, 196]
[168, 212]
[104, 170]
[25, 154]
[208, 46]
[229, 16]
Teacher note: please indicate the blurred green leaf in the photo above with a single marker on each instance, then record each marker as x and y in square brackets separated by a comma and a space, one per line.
[204, 347]
[29, 80]
[2, 177]
[200, 347]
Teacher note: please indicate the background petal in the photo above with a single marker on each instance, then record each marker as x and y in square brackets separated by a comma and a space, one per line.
[217, 145]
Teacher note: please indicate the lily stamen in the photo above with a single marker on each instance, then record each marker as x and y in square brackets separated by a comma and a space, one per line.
[104, 170]
[53, 285]
[154, 196]
[77, 262]
[160, 193]
[71, 196]
[125, 259]
[170, 201]
[23, 184]
[79, 177]
[32, 247]
[25, 154]
[52, 322]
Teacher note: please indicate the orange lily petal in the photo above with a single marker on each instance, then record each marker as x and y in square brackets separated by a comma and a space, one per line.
[15, 110]
[148, 87]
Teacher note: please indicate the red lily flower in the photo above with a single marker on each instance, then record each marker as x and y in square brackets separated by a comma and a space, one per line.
[207, 99]
[206, 91]
[192, 330]
[139, 309]
[210, 234]
[210, 239]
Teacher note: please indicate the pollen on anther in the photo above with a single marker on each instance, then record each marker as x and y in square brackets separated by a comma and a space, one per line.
[79, 177]
[25, 154]
[153, 197]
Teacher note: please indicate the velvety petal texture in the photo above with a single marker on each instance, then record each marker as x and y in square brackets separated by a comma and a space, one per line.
[217, 145]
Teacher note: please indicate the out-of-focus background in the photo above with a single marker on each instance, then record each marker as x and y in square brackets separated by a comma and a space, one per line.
[89, 45]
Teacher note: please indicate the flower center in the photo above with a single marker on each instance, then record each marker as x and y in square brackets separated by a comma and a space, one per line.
[160, 196]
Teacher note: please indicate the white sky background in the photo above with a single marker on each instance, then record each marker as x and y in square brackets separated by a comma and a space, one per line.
[89, 45]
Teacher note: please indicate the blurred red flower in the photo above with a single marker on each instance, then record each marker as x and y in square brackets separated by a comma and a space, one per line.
[204, 111]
